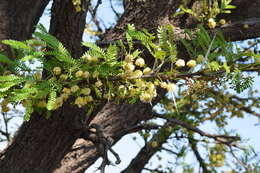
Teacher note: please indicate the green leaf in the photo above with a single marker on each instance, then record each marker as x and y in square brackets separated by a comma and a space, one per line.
[51, 100]
[17, 44]
[29, 110]
[5, 59]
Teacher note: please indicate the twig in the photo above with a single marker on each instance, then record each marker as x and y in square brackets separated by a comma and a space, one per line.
[224, 139]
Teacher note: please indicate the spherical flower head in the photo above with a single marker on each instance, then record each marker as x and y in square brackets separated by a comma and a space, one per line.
[57, 71]
[222, 21]
[88, 99]
[74, 88]
[171, 87]
[95, 74]
[98, 83]
[140, 62]
[191, 63]
[211, 23]
[129, 58]
[137, 74]
[86, 91]
[63, 77]
[163, 85]
[147, 71]
[90, 58]
[58, 103]
[79, 101]
[154, 144]
[151, 86]
[79, 74]
[133, 92]
[66, 90]
[129, 67]
[200, 58]
[146, 97]
[85, 75]
[180, 63]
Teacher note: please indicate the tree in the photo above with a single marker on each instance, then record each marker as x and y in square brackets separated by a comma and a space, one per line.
[65, 138]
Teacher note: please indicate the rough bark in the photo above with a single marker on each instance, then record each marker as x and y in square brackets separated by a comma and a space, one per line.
[18, 19]
[40, 141]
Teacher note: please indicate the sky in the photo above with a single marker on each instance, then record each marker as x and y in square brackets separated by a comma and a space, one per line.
[128, 148]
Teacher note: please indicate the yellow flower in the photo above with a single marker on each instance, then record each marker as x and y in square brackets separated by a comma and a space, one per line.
[129, 58]
[58, 103]
[133, 92]
[163, 85]
[63, 77]
[74, 88]
[86, 91]
[57, 71]
[95, 74]
[151, 86]
[64, 96]
[90, 58]
[137, 74]
[88, 99]
[85, 75]
[79, 102]
[98, 83]
[200, 58]
[191, 63]
[211, 23]
[180, 63]
[79, 74]
[66, 90]
[129, 67]
[78, 8]
[146, 97]
[222, 21]
[140, 62]
[147, 71]
[171, 87]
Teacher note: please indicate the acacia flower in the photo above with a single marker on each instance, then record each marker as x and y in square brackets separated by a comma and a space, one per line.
[140, 62]
[211, 23]
[180, 63]
[129, 67]
[171, 87]
[147, 71]
[63, 77]
[86, 91]
[57, 71]
[129, 58]
[79, 74]
[98, 83]
[85, 75]
[137, 74]
[222, 21]
[146, 97]
[66, 90]
[74, 88]
[191, 63]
